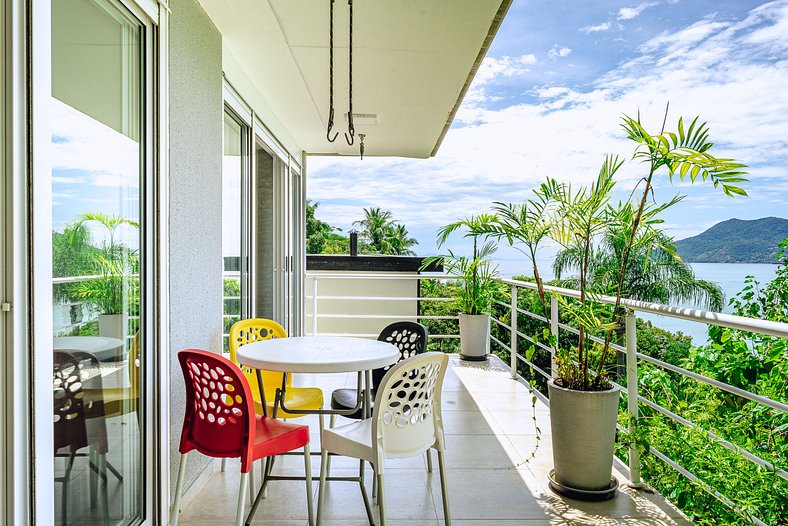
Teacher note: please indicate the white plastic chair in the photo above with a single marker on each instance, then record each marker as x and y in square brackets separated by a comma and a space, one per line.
[406, 422]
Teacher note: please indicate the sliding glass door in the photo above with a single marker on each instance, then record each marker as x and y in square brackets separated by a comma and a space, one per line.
[99, 121]
[235, 231]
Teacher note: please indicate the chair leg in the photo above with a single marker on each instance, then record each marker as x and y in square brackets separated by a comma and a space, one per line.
[251, 483]
[239, 514]
[330, 425]
[93, 476]
[103, 490]
[429, 461]
[444, 489]
[321, 489]
[374, 485]
[381, 500]
[308, 472]
[176, 507]
[367, 505]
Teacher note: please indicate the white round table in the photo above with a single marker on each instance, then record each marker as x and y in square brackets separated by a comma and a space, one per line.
[318, 354]
[102, 347]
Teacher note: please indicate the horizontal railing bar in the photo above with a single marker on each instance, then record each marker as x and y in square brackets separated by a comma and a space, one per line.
[534, 366]
[768, 327]
[444, 336]
[383, 317]
[499, 322]
[502, 304]
[716, 383]
[724, 443]
[532, 315]
[379, 298]
[499, 342]
[597, 339]
[708, 489]
[381, 276]
[538, 344]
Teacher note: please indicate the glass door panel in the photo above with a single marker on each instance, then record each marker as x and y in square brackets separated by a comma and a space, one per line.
[234, 228]
[98, 156]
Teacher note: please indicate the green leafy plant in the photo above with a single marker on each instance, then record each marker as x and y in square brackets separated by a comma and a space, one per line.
[584, 215]
[116, 289]
[478, 287]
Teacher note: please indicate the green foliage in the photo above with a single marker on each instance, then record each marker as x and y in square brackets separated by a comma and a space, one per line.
[756, 363]
[321, 238]
[381, 234]
[736, 241]
[478, 287]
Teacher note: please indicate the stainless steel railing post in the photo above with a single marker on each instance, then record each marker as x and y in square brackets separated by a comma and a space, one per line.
[513, 326]
[632, 397]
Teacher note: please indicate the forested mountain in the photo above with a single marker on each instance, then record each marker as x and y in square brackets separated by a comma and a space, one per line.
[736, 241]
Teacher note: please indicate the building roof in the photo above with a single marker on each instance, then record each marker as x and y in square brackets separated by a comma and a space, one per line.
[412, 63]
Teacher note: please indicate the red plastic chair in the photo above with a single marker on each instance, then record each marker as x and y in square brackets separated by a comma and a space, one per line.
[220, 422]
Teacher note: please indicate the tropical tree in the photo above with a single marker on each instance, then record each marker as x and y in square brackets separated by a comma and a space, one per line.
[397, 241]
[381, 234]
[374, 226]
[319, 234]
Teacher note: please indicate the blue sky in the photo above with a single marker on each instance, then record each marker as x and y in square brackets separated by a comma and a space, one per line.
[548, 100]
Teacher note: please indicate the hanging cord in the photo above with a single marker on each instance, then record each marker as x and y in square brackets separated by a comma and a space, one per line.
[331, 75]
[361, 146]
[351, 130]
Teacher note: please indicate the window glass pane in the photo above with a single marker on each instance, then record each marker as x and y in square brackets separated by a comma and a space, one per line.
[97, 169]
[232, 213]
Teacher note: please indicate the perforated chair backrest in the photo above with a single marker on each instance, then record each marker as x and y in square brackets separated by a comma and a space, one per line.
[79, 419]
[219, 417]
[407, 416]
[252, 330]
[408, 336]
[134, 365]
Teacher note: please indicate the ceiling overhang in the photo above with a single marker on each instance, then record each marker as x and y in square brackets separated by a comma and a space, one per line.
[413, 61]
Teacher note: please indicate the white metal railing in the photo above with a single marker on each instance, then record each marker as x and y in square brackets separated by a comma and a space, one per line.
[316, 298]
[752, 325]
[633, 397]
[93, 316]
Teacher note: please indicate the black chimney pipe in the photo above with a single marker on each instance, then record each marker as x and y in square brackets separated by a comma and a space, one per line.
[353, 243]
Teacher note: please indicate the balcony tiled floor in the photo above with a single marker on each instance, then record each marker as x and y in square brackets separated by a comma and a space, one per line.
[496, 473]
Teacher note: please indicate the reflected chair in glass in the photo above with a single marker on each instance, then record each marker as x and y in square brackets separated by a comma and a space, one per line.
[220, 422]
[79, 423]
[406, 422]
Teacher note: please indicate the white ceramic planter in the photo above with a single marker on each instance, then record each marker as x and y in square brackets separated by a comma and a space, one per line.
[474, 336]
[583, 426]
[111, 325]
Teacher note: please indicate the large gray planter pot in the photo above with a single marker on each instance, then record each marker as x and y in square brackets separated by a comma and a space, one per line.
[111, 325]
[583, 426]
[474, 336]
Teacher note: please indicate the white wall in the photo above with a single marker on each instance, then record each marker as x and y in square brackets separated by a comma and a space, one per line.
[382, 288]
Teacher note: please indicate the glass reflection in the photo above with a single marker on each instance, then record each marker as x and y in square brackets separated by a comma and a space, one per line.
[97, 152]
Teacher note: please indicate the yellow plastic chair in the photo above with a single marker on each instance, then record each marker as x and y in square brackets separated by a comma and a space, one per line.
[256, 329]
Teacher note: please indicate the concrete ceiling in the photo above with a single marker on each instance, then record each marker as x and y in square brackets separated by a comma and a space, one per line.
[412, 62]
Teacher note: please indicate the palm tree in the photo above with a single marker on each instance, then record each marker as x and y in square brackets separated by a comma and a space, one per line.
[374, 226]
[397, 241]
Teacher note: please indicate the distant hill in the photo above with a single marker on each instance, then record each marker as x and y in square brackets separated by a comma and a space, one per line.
[736, 241]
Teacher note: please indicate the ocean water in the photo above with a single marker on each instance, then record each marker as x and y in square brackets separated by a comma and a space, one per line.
[729, 276]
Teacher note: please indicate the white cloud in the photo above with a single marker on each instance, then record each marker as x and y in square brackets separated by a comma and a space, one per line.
[729, 73]
[559, 51]
[492, 68]
[628, 13]
[604, 26]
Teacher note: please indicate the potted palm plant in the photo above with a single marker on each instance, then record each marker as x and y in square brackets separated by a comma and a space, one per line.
[583, 401]
[477, 286]
[115, 287]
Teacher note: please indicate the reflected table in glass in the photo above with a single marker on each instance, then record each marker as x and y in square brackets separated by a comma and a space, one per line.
[104, 348]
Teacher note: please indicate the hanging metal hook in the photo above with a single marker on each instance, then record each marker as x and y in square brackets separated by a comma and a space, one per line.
[330, 126]
[351, 130]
